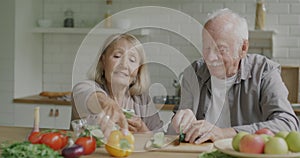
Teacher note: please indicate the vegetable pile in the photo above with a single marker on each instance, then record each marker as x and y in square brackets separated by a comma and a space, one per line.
[49, 143]
[28, 150]
[54, 139]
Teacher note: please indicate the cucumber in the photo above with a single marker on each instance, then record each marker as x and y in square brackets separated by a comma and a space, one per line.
[158, 139]
[128, 113]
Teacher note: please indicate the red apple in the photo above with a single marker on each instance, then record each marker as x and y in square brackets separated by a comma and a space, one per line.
[265, 131]
[252, 143]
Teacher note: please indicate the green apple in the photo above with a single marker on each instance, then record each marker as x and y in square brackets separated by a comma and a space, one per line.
[266, 137]
[293, 141]
[236, 140]
[276, 145]
[282, 134]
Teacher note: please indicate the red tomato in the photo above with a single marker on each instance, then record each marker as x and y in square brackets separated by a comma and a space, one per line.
[53, 140]
[64, 140]
[88, 143]
[35, 137]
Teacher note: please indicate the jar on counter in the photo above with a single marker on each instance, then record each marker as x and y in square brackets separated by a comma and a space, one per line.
[107, 16]
[69, 20]
[260, 15]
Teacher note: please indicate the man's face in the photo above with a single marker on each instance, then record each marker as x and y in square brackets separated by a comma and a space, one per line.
[221, 51]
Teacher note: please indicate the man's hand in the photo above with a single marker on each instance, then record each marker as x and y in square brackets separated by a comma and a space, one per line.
[201, 131]
[183, 119]
[136, 124]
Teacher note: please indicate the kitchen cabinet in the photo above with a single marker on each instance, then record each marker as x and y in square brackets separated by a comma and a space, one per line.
[290, 77]
[51, 116]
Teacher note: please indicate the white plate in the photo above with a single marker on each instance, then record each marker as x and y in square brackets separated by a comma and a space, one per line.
[224, 145]
[295, 105]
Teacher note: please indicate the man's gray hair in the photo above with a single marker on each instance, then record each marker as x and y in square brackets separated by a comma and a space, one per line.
[242, 28]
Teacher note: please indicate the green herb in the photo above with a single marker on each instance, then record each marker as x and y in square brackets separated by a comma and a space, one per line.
[214, 154]
[28, 150]
[89, 132]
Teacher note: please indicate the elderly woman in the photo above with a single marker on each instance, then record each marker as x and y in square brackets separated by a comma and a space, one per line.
[118, 80]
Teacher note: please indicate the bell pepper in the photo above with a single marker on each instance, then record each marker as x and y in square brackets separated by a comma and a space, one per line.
[119, 145]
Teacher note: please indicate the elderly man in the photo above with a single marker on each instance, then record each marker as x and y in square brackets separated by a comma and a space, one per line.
[231, 91]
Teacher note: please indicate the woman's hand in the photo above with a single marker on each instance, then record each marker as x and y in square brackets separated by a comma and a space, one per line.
[136, 124]
[114, 111]
[201, 131]
[109, 113]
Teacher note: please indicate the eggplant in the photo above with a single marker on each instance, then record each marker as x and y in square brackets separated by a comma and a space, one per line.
[73, 151]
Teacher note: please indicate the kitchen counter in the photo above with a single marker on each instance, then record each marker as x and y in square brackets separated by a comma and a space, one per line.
[37, 99]
[19, 134]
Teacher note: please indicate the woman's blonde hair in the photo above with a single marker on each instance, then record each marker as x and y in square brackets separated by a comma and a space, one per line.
[142, 81]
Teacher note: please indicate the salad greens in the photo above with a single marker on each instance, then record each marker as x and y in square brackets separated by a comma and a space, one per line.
[27, 150]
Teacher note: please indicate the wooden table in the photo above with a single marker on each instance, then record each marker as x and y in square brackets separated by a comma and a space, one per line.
[19, 134]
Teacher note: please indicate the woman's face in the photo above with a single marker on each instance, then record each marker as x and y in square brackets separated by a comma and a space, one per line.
[121, 63]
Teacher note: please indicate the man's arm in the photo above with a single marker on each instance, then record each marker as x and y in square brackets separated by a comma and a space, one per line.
[276, 109]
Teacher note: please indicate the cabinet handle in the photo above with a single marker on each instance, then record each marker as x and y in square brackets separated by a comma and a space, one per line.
[56, 113]
[51, 113]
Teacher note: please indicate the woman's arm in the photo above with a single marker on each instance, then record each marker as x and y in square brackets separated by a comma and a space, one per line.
[90, 98]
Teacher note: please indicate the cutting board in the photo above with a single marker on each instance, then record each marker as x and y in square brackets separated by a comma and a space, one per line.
[188, 147]
[142, 145]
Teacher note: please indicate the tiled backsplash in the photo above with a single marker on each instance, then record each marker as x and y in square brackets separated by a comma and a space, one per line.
[283, 17]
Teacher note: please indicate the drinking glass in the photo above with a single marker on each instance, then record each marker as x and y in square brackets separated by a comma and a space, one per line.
[78, 126]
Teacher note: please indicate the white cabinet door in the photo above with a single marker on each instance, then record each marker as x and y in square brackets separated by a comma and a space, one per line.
[51, 116]
[47, 116]
[62, 116]
[55, 116]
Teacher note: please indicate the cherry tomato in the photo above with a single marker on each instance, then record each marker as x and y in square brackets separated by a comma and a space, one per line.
[88, 144]
[35, 137]
[53, 140]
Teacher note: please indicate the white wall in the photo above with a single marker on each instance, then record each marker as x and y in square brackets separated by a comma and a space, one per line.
[282, 16]
[28, 50]
[7, 13]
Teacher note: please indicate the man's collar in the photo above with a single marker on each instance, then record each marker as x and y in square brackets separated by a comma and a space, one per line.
[245, 69]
